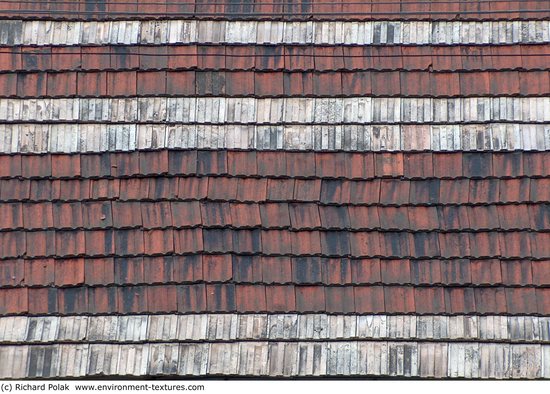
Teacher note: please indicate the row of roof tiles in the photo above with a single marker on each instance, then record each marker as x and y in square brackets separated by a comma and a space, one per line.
[275, 84]
[271, 270]
[344, 165]
[510, 244]
[387, 192]
[182, 328]
[281, 215]
[281, 57]
[304, 9]
[275, 298]
[125, 32]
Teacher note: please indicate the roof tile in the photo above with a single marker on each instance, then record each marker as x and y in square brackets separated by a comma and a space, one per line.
[460, 300]
[276, 242]
[310, 299]
[250, 189]
[245, 215]
[275, 215]
[158, 241]
[69, 272]
[306, 242]
[187, 268]
[369, 299]
[340, 299]
[365, 271]
[247, 269]
[12, 215]
[337, 271]
[250, 298]
[426, 272]
[242, 163]
[394, 192]
[159, 269]
[65, 166]
[280, 189]
[222, 189]
[521, 300]
[99, 271]
[307, 270]
[97, 214]
[281, 299]
[40, 243]
[220, 298]
[39, 272]
[191, 298]
[72, 243]
[429, 300]
[215, 214]
[276, 269]
[365, 192]
[399, 299]
[132, 299]
[11, 166]
[162, 299]
[72, 300]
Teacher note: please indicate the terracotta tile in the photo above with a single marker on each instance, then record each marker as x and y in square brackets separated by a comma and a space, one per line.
[158, 269]
[217, 240]
[539, 190]
[534, 164]
[151, 83]
[95, 165]
[188, 241]
[124, 214]
[484, 244]
[336, 271]
[217, 268]
[486, 272]
[424, 191]
[210, 83]
[72, 243]
[163, 188]
[239, 58]
[447, 165]
[388, 164]
[308, 242]
[212, 163]
[454, 245]
[399, 299]
[484, 191]
[124, 57]
[518, 272]
[183, 83]
[100, 242]
[129, 270]
[91, 84]
[456, 272]
[61, 84]
[72, 300]
[276, 242]
[104, 188]
[16, 189]
[514, 216]
[310, 299]
[129, 242]
[281, 299]
[156, 214]
[153, 57]
[242, 163]
[335, 243]
[515, 244]
[395, 244]
[8, 83]
[416, 83]
[335, 191]
[99, 271]
[307, 190]
[251, 298]
[35, 166]
[521, 301]
[340, 299]
[365, 192]
[187, 268]
[298, 84]
[40, 301]
[32, 85]
[328, 84]
[454, 191]
[271, 163]
[365, 244]
[132, 299]
[10, 166]
[300, 164]
[357, 83]
[543, 303]
[413, 57]
[122, 83]
[331, 165]
[334, 217]
[423, 218]
[418, 165]
[245, 215]
[153, 162]
[40, 243]
[95, 58]
[182, 162]
[424, 245]
[429, 300]
[102, 300]
[12, 272]
[186, 214]
[394, 218]
[250, 189]
[394, 192]
[386, 84]
[460, 300]
[307, 270]
[369, 299]
[239, 83]
[280, 189]
[475, 84]
[161, 299]
[215, 214]
[302, 216]
[191, 298]
[426, 272]
[69, 272]
[508, 82]
[541, 272]
[65, 166]
[483, 217]
[361, 217]
[532, 83]
[299, 58]
[365, 271]
[269, 57]
[222, 189]
[158, 241]
[395, 271]
[39, 272]
[246, 269]
[211, 57]
[514, 190]
[477, 165]
[97, 214]
[276, 269]
[268, 84]
[125, 164]
[11, 215]
[220, 298]
[357, 58]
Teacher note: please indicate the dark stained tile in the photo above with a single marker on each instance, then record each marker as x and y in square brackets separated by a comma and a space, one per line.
[91, 84]
[99, 271]
[543, 301]
[72, 300]
[281, 298]
[334, 217]
[306, 242]
[71, 243]
[539, 190]
[515, 244]
[365, 244]
[192, 188]
[395, 271]
[298, 84]
[40, 243]
[456, 272]
[386, 83]
[395, 244]
[192, 298]
[388, 164]
[365, 192]
[182, 162]
[365, 271]
[507, 164]
[126, 214]
[276, 269]
[364, 217]
[13, 243]
[125, 164]
[275, 215]
[399, 299]
[335, 191]
[307, 190]
[129, 242]
[392, 218]
[251, 189]
[518, 272]
[424, 245]
[215, 214]
[132, 299]
[158, 269]
[340, 299]
[477, 165]
[247, 269]
[486, 272]
[484, 244]
[483, 217]
[276, 242]
[11, 215]
[104, 189]
[247, 241]
[188, 241]
[100, 242]
[242, 163]
[394, 192]
[187, 268]
[245, 215]
[151, 83]
[40, 300]
[541, 272]
[217, 240]
[300, 164]
[357, 83]
[32, 85]
[310, 299]
[280, 189]
[299, 58]
[222, 189]
[95, 165]
[429, 300]
[271, 163]
[327, 84]
[102, 300]
[302, 216]
[162, 299]
[336, 271]
[369, 299]
[97, 214]
[153, 162]
[37, 166]
[220, 298]
[307, 270]
[535, 163]
[454, 191]
[12, 272]
[211, 162]
[10, 166]
[270, 57]
[426, 272]
[454, 245]
[513, 217]
[250, 298]
[514, 190]
[211, 83]
[460, 300]
[186, 213]
[521, 301]
[129, 270]
[69, 272]
[424, 192]
[484, 191]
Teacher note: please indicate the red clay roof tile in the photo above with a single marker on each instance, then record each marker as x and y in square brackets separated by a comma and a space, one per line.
[310, 299]
[426, 272]
[69, 272]
[369, 299]
[339, 300]
[366, 271]
[307, 270]
[250, 298]
[337, 271]
[99, 271]
[247, 269]
[519, 272]
[281, 298]
[276, 269]
[191, 298]
[220, 298]
[162, 299]
[246, 215]
[187, 268]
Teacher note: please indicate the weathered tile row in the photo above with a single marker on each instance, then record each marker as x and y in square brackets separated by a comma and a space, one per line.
[287, 57]
[327, 243]
[36, 32]
[248, 110]
[280, 359]
[261, 84]
[296, 10]
[148, 215]
[271, 270]
[258, 298]
[102, 137]
[272, 327]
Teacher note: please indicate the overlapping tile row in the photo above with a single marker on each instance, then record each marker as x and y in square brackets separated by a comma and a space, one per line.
[269, 57]
[281, 10]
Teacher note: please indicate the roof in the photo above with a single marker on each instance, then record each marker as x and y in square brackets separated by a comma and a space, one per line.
[268, 190]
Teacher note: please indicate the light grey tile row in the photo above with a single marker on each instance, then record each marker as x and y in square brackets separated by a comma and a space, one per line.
[14, 32]
[101, 137]
[165, 328]
[221, 110]
[282, 359]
